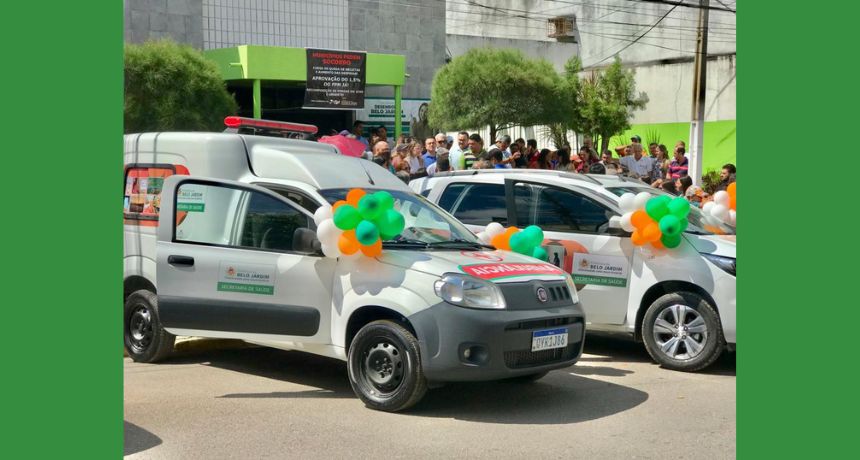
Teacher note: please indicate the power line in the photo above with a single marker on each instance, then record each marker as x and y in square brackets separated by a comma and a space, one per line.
[688, 5]
[637, 38]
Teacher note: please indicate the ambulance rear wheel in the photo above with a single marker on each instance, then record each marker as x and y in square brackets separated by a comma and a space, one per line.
[145, 340]
[385, 367]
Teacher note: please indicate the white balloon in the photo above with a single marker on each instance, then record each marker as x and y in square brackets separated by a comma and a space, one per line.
[484, 237]
[640, 200]
[330, 250]
[493, 229]
[706, 208]
[720, 211]
[733, 217]
[322, 213]
[327, 233]
[722, 197]
[625, 222]
[627, 202]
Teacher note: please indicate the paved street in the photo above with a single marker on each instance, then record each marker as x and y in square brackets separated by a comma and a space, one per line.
[238, 401]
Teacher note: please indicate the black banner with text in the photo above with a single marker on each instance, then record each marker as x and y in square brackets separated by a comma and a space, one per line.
[335, 79]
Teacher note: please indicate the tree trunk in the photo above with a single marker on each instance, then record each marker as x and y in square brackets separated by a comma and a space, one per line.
[604, 143]
[492, 139]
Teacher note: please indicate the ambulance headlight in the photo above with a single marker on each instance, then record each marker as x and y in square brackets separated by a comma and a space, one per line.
[468, 291]
[571, 286]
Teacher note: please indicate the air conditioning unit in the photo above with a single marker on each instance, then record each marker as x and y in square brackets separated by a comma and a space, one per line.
[562, 28]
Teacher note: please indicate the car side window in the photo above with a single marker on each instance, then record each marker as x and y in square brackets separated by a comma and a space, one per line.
[450, 195]
[482, 204]
[235, 217]
[561, 210]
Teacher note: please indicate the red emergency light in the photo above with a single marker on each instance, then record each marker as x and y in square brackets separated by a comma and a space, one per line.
[268, 125]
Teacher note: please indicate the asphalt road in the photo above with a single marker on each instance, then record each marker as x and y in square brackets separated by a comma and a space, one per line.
[228, 400]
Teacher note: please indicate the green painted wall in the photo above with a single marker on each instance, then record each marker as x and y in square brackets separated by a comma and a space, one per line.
[720, 144]
[290, 64]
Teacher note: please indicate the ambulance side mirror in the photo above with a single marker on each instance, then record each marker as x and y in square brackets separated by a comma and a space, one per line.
[305, 241]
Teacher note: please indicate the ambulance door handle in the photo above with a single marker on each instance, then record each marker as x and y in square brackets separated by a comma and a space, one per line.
[181, 260]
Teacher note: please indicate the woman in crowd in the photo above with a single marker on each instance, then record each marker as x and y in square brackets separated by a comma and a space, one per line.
[661, 163]
[543, 159]
[669, 186]
[565, 163]
[413, 151]
[682, 184]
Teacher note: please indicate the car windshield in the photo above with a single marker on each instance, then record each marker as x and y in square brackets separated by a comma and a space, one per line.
[427, 226]
[697, 219]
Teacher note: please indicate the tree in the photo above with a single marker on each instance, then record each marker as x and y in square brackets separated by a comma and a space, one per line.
[602, 102]
[172, 87]
[496, 87]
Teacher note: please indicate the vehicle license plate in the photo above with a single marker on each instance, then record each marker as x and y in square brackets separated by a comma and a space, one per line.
[548, 339]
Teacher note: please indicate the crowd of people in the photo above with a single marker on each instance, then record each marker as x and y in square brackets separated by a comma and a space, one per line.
[411, 158]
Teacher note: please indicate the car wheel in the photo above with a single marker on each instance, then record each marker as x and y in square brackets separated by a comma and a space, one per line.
[682, 332]
[385, 367]
[145, 340]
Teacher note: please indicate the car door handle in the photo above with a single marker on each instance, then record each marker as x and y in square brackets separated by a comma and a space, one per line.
[181, 260]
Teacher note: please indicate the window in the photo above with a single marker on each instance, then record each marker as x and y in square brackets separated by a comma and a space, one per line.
[234, 217]
[482, 204]
[561, 210]
[295, 196]
[142, 195]
[449, 196]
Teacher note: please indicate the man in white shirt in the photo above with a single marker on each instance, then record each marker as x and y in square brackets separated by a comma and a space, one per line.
[636, 163]
[458, 148]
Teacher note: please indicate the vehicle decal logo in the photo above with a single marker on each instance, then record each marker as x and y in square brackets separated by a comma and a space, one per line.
[542, 295]
[499, 271]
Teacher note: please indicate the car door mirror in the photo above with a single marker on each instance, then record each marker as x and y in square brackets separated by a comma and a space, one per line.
[305, 241]
[614, 227]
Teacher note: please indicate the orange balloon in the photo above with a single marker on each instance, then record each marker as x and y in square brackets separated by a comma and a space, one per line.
[637, 239]
[510, 231]
[658, 244]
[652, 232]
[732, 189]
[354, 195]
[501, 241]
[373, 250]
[733, 203]
[347, 243]
[640, 219]
[337, 204]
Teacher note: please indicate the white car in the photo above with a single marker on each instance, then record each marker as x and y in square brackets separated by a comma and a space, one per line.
[220, 241]
[679, 302]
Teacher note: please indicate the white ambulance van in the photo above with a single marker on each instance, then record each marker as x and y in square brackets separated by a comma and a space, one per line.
[220, 242]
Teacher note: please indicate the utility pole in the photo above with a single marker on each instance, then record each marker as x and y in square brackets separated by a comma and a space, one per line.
[697, 123]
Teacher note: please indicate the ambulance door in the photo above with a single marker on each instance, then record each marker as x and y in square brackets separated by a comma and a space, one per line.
[578, 240]
[239, 261]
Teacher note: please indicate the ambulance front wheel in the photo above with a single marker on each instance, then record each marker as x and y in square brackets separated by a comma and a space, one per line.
[145, 340]
[385, 367]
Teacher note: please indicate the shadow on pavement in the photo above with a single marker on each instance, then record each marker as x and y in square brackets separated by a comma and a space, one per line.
[560, 397]
[618, 350]
[136, 439]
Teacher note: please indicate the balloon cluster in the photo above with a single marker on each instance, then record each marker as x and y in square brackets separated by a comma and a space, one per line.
[526, 241]
[658, 220]
[359, 223]
[724, 206]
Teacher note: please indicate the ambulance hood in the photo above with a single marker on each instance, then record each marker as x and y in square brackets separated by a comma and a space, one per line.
[496, 266]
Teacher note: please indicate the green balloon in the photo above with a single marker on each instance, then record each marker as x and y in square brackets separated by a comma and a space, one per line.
[684, 223]
[679, 207]
[540, 253]
[671, 241]
[670, 225]
[534, 234]
[366, 233]
[386, 201]
[520, 243]
[390, 224]
[346, 217]
[657, 207]
[369, 207]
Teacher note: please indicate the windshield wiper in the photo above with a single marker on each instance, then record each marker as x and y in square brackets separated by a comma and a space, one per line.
[405, 243]
[459, 242]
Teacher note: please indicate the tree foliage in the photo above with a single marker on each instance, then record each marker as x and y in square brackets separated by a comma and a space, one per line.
[603, 101]
[501, 88]
[172, 87]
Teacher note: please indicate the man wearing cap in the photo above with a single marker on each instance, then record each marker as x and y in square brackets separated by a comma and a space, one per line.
[624, 150]
[636, 163]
